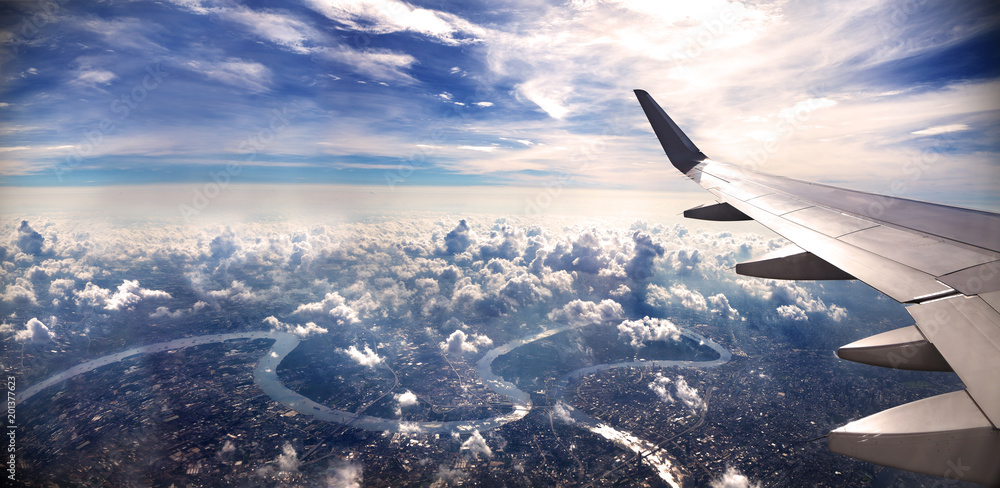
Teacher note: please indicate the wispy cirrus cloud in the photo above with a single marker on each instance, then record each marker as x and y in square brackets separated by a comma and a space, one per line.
[862, 87]
[391, 16]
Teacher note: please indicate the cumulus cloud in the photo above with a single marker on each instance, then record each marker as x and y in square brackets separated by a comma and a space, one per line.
[332, 305]
[92, 295]
[685, 261]
[670, 391]
[658, 296]
[164, 312]
[28, 240]
[446, 476]
[562, 412]
[237, 292]
[406, 399]
[288, 460]
[476, 445]
[21, 293]
[60, 287]
[349, 475]
[792, 312]
[732, 478]
[505, 244]
[403, 400]
[579, 312]
[367, 357]
[410, 428]
[525, 289]
[689, 298]
[228, 447]
[721, 307]
[637, 332]
[640, 267]
[795, 300]
[459, 343]
[300, 330]
[586, 254]
[126, 297]
[458, 240]
[35, 331]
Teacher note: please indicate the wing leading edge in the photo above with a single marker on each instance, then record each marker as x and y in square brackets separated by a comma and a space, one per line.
[942, 262]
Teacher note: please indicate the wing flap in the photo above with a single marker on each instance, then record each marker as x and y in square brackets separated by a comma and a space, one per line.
[976, 280]
[966, 330]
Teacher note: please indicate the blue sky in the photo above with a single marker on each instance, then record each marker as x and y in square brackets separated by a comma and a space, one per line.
[388, 93]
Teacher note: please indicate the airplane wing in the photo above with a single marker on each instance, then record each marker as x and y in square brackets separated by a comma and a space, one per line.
[942, 262]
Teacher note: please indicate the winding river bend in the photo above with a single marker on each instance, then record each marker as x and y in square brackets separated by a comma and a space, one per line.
[266, 377]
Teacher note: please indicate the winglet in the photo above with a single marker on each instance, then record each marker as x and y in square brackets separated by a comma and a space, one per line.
[682, 152]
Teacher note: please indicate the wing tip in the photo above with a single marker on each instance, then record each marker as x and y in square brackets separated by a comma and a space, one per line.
[683, 154]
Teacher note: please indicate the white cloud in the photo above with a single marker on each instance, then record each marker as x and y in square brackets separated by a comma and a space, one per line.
[410, 428]
[795, 300]
[446, 476]
[377, 63]
[164, 312]
[21, 292]
[367, 357]
[836, 313]
[93, 78]
[732, 478]
[126, 297]
[388, 16]
[940, 129]
[300, 330]
[637, 332]
[689, 298]
[228, 448]
[459, 343]
[658, 296]
[792, 312]
[276, 27]
[406, 399]
[349, 475]
[28, 240]
[237, 292]
[476, 445]
[35, 331]
[561, 411]
[333, 305]
[249, 75]
[579, 312]
[670, 391]
[288, 460]
[60, 287]
[551, 100]
[720, 306]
